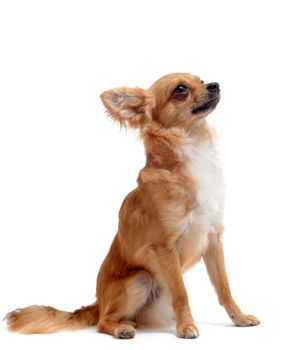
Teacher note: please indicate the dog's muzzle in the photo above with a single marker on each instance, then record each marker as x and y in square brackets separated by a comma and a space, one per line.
[211, 100]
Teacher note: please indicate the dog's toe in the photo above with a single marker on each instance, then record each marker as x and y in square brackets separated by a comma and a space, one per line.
[188, 332]
[245, 321]
[124, 331]
[125, 334]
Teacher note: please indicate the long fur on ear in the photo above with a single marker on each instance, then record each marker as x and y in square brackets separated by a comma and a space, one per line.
[129, 106]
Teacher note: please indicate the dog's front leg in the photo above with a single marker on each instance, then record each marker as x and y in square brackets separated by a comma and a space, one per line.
[170, 270]
[215, 265]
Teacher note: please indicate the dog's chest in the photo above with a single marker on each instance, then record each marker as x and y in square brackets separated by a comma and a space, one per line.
[203, 166]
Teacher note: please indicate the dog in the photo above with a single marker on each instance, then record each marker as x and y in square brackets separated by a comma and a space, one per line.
[166, 225]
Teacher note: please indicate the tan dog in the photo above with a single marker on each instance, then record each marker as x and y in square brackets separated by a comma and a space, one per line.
[171, 220]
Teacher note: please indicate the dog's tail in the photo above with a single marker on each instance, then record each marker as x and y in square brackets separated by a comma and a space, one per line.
[46, 319]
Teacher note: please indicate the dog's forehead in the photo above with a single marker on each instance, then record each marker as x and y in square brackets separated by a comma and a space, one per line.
[170, 80]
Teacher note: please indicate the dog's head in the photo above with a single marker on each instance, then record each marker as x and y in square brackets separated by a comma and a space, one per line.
[175, 100]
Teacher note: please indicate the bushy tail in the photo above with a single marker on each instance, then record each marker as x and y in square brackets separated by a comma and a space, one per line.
[46, 319]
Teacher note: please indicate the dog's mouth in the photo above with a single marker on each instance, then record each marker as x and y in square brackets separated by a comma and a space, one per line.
[205, 106]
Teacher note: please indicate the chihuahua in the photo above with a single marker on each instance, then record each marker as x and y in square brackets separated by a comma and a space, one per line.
[166, 225]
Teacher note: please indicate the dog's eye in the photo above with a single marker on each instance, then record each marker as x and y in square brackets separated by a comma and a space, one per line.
[181, 90]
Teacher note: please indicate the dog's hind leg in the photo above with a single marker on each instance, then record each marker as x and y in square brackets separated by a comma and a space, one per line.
[125, 297]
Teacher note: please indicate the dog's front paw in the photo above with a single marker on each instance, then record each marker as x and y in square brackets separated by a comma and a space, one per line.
[244, 320]
[187, 331]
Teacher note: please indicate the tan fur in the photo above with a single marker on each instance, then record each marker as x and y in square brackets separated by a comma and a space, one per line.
[165, 225]
[46, 319]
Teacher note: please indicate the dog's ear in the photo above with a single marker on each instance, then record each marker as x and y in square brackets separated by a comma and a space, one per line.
[129, 106]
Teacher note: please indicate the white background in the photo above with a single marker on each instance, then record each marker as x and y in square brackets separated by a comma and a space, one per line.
[65, 168]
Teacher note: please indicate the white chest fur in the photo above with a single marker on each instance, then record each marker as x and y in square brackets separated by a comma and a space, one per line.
[204, 166]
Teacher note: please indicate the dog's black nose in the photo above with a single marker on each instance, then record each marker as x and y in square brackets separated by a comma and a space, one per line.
[213, 87]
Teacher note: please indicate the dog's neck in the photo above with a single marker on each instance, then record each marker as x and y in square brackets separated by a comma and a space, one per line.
[164, 147]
